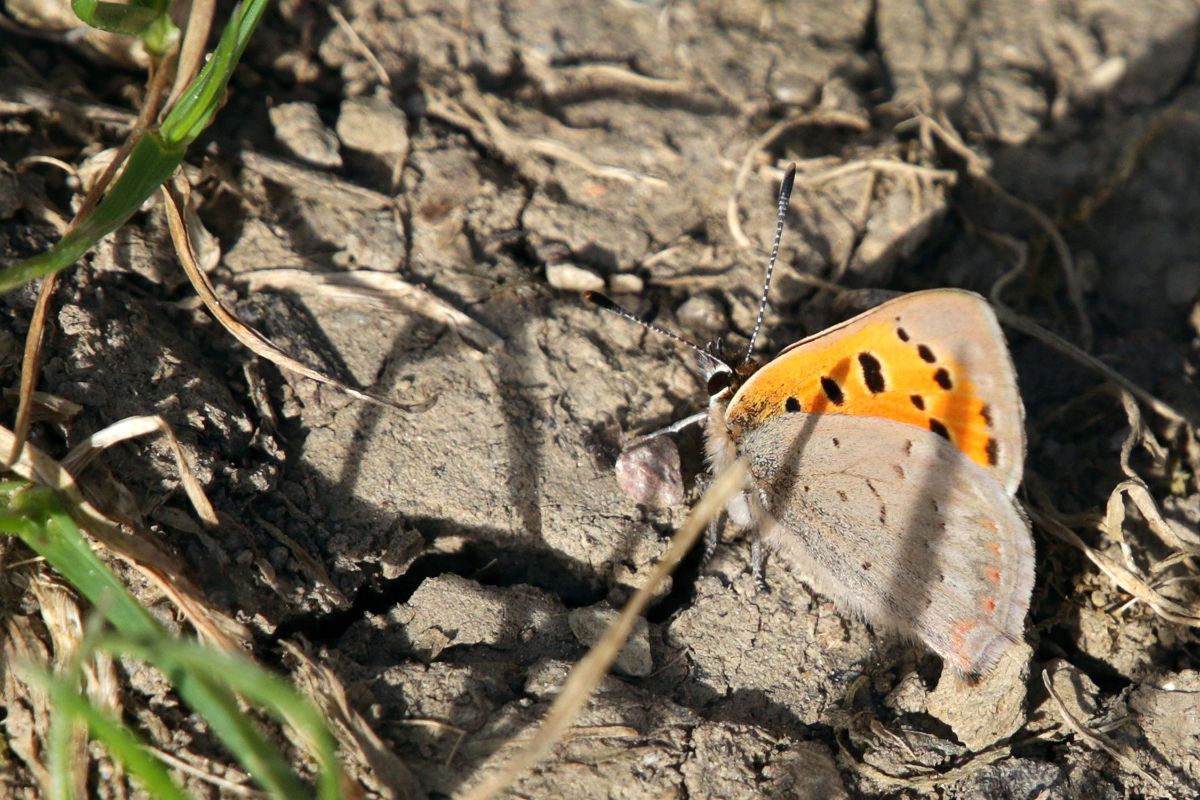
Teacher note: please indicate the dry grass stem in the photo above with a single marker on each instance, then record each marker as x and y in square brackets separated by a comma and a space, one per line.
[191, 51]
[592, 668]
[923, 779]
[979, 170]
[252, 339]
[361, 46]
[821, 118]
[471, 111]
[1097, 740]
[1127, 580]
[239, 788]
[139, 551]
[373, 289]
[390, 777]
[312, 566]
[131, 428]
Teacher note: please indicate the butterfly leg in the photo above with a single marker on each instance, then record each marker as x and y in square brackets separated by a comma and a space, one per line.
[712, 538]
[712, 534]
[758, 563]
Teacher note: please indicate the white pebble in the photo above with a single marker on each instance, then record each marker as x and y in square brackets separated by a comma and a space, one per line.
[625, 283]
[702, 314]
[571, 278]
[299, 128]
[373, 125]
[589, 624]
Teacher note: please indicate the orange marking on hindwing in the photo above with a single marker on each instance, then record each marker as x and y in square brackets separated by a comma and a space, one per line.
[988, 604]
[958, 643]
[871, 371]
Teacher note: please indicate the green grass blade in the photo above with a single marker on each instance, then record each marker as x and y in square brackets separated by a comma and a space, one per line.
[155, 156]
[58, 747]
[200, 101]
[29, 516]
[248, 680]
[65, 548]
[70, 707]
[208, 680]
[115, 17]
[145, 19]
[150, 164]
[237, 731]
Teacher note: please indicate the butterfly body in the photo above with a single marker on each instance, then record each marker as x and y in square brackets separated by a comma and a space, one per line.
[884, 456]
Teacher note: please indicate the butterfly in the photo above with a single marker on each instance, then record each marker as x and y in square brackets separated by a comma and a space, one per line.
[884, 458]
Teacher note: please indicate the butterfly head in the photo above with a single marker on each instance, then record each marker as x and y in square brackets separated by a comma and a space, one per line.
[724, 372]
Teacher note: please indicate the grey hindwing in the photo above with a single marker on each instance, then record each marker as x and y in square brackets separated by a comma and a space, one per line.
[893, 522]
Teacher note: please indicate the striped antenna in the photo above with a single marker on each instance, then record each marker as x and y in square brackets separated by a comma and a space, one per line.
[606, 303]
[785, 196]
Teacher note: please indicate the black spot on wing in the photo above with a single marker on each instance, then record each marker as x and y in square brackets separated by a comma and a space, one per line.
[986, 413]
[792, 405]
[832, 390]
[872, 372]
[942, 378]
[937, 427]
[918, 401]
[993, 452]
[903, 334]
[926, 354]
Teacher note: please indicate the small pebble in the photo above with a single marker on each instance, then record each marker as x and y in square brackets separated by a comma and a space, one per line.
[589, 624]
[373, 125]
[702, 314]
[625, 283]
[648, 472]
[571, 278]
[298, 127]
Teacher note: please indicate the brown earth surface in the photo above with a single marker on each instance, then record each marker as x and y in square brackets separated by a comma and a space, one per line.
[448, 563]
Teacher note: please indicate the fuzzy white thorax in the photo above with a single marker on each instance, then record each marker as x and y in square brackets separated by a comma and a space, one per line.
[721, 452]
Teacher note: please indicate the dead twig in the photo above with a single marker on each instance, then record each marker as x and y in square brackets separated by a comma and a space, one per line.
[471, 112]
[252, 339]
[379, 289]
[822, 118]
[978, 170]
[1097, 740]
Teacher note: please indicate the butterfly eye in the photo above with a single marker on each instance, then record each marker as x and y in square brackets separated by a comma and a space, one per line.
[719, 381]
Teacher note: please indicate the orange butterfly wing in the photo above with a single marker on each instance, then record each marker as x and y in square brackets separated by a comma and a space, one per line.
[935, 360]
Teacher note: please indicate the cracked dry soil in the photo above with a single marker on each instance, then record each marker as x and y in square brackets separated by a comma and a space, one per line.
[447, 563]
